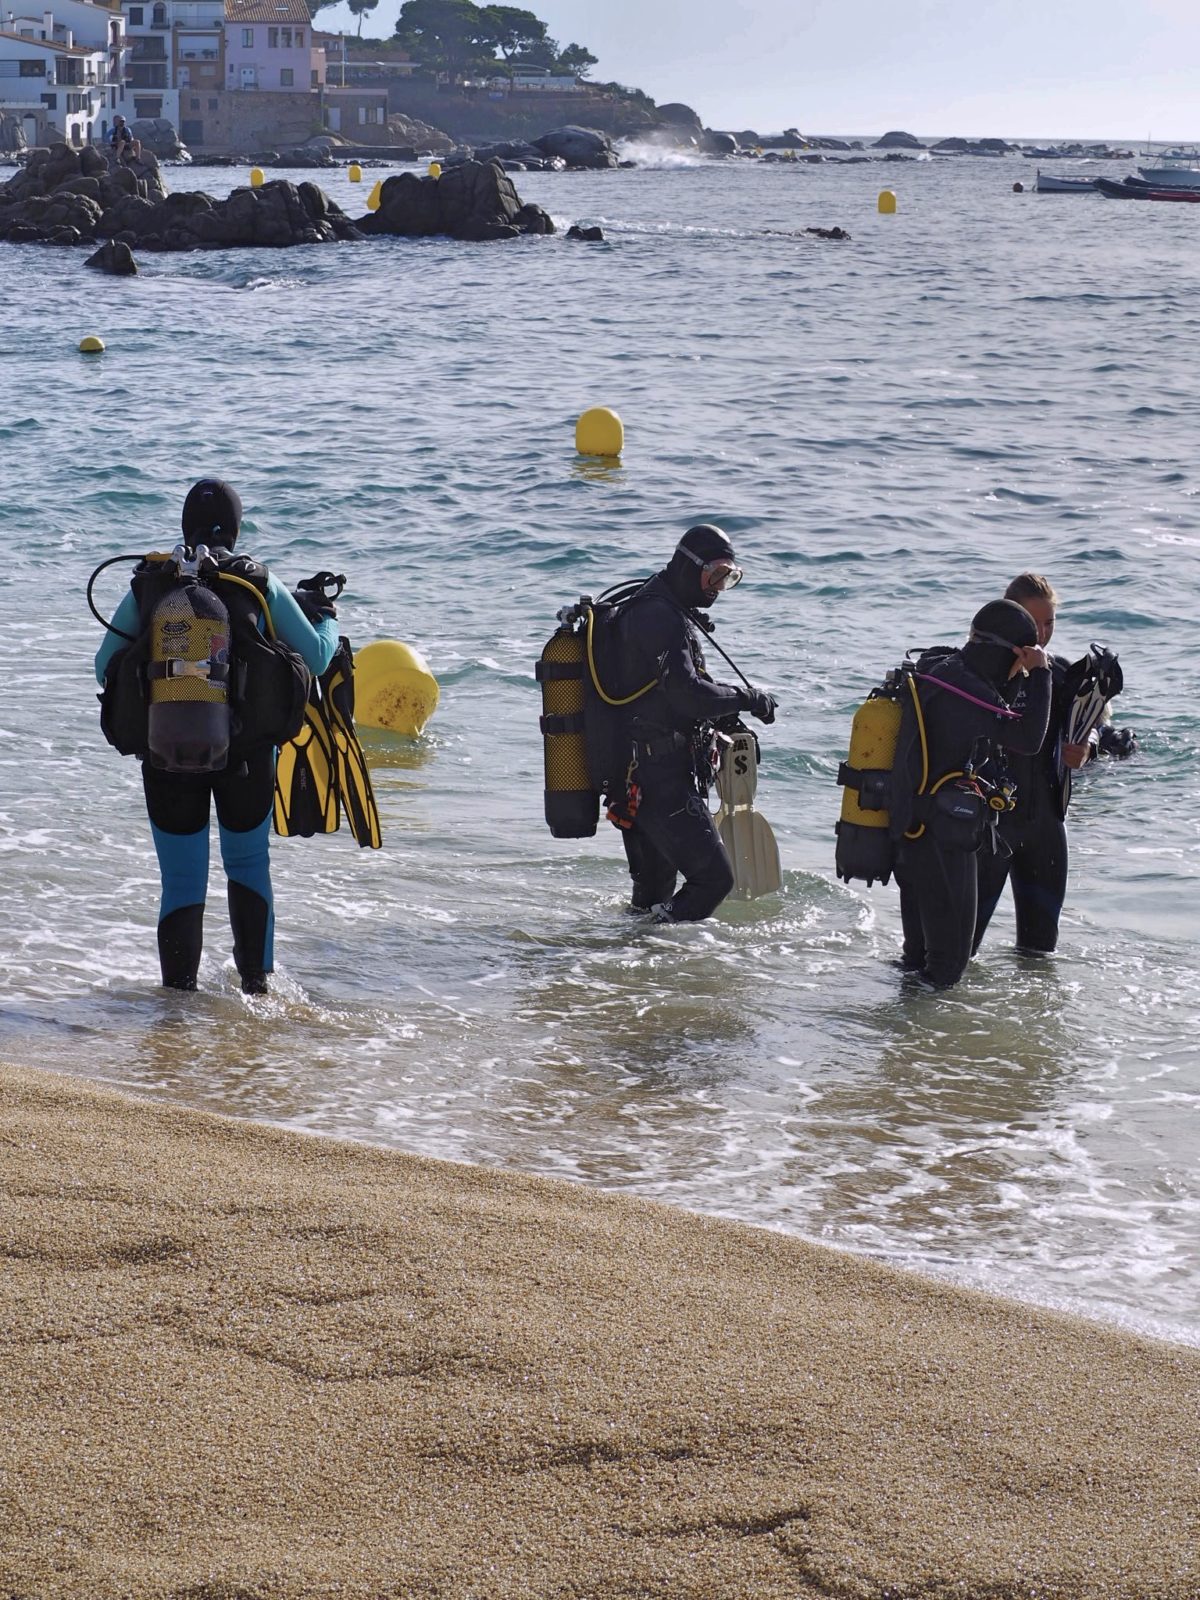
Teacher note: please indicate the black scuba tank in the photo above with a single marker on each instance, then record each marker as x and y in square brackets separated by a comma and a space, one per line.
[188, 722]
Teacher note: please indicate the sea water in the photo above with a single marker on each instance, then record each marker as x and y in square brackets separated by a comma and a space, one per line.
[890, 428]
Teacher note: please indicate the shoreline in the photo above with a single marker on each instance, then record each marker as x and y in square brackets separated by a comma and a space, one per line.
[246, 1361]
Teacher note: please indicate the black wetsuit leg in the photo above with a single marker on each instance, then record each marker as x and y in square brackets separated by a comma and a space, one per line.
[994, 868]
[653, 875]
[938, 900]
[674, 822]
[1039, 883]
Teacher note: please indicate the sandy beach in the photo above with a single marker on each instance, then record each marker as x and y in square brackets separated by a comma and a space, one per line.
[239, 1363]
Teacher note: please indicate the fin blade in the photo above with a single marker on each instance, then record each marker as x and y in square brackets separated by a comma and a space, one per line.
[753, 852]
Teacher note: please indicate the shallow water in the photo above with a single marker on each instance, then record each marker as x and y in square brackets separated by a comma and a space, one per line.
[891, 428]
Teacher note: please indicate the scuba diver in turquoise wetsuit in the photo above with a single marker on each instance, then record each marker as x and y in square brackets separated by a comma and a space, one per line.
[206, 719]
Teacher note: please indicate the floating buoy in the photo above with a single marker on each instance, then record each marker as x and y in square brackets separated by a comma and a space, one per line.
[373, 198]
[599, 432]
[435, 169]
[887, 202]
[354, 172]
[92, 344]
[393, 688]
[256, 177]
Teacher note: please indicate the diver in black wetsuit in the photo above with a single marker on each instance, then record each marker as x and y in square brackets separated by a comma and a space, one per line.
[959, 763]
[1035, 862]
[669, 830]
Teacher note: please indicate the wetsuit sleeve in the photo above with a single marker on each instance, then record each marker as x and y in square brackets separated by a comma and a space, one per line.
[125, 618]
[690, 697]
[316, 642]
[1027, 735]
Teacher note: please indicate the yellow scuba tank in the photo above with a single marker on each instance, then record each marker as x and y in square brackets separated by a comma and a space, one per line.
[864, 841]
[188, 723]
[572, 804]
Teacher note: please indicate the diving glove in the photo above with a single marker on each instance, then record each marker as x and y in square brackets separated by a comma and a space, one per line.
[310, 595]
[759, 704]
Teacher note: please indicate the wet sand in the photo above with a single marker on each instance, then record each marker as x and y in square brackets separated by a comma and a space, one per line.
[238, 1364]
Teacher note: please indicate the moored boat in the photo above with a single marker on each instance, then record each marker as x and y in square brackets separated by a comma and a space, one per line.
[1137, 189]
[1048, 183]
[1174, 169]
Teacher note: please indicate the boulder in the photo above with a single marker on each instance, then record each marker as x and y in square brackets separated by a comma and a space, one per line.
[472, 200]
[12, 134]
[898, 141]
[158, 136]
[592, 235]
[719, 144]
[114, 257]
[676, 114]
[578, 147]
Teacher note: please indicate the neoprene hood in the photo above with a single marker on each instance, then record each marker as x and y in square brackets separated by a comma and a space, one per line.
[212, 514]
[1001, 624]
[707, 543]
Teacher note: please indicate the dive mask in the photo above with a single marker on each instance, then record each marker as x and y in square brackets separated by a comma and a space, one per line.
[715, 576]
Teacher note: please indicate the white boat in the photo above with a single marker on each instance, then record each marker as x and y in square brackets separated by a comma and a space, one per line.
[1047, 183]
[1174, 169]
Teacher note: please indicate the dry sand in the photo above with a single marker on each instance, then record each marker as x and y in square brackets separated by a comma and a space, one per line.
[239, 1363]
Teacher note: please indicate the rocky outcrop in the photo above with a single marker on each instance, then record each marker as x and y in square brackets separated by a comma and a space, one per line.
[590, 235]
[973, 147]
[898, 141]
[56, 201]
[474, 200]
[579, 147]
[517, 155]
[81, 208]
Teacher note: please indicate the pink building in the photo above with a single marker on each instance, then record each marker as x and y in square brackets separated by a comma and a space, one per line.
[269, 45]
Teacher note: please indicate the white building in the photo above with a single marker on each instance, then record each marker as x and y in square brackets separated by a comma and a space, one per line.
[97, 28]
[51, 83]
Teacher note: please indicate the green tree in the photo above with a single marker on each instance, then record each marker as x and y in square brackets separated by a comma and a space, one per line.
[577, 60]
[359, 8]
[516, 30]
[451, 37]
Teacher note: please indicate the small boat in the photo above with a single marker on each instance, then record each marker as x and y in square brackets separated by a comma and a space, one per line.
[1174, 169]
[1047, 183]
[1138, 189]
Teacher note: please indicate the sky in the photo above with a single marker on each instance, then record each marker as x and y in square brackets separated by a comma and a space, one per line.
[1087, 69]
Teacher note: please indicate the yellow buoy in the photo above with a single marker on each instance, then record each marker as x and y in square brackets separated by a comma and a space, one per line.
[887, 202]
[599, 432]
[435, 169]
[374, 197]
[393, 688]
[91, 344]
[354, 172]
[256, 177]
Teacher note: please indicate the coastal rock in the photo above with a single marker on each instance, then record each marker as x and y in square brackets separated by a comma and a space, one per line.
[114, 257]
[676, 114]
[972, 147]
[474, 200]
[898, 141]
[159, 138]
[518, 155]
[578, 147]
[592, 235]
[718, 144]
[12, 135]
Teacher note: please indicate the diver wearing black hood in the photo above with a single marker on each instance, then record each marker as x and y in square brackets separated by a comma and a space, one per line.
[670, 831]
[967, 728]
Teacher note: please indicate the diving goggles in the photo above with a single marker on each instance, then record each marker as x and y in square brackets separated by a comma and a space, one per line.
[718, 575]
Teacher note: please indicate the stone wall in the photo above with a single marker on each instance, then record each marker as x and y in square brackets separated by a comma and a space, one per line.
[244, 121]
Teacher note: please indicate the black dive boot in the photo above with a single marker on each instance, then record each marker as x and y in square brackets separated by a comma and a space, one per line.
[180, 941]
[249, 915]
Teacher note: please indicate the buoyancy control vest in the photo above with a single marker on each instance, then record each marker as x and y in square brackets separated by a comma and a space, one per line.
[201, 686]
[890, 793]
[584, 720]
